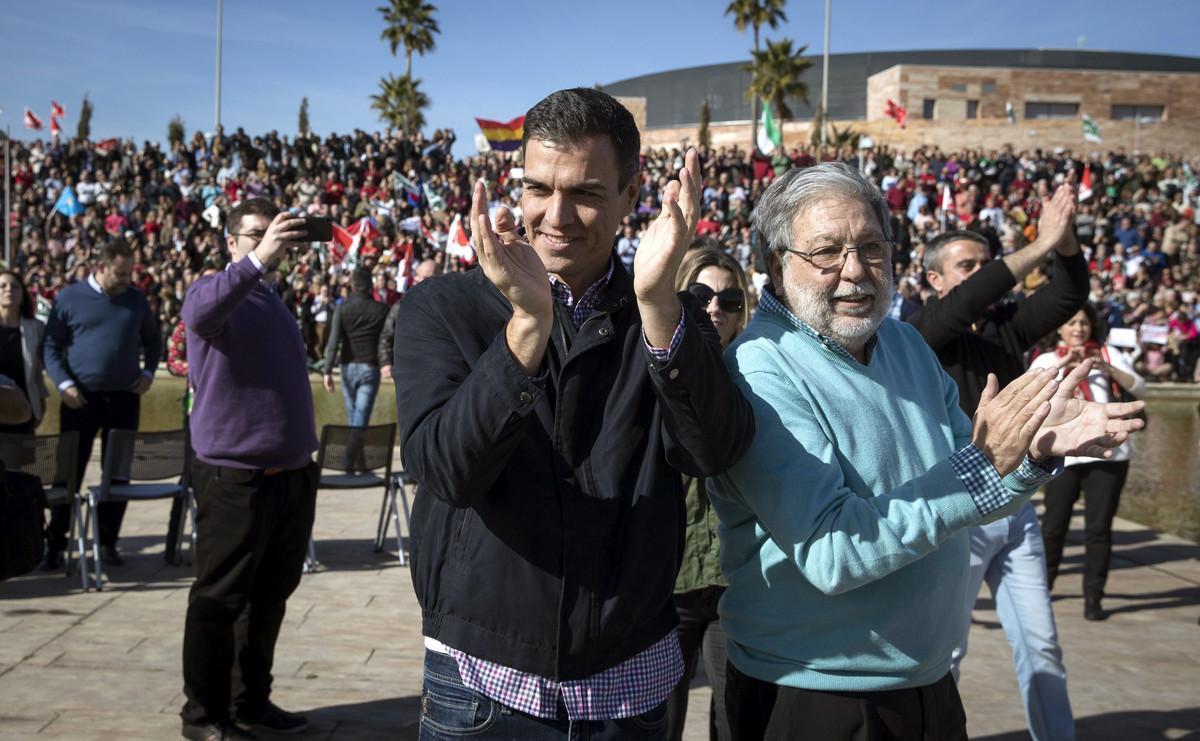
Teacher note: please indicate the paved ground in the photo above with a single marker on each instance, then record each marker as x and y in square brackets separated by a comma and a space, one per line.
[106, 664]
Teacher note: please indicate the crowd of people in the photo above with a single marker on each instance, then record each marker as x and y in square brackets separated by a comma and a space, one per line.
[1138, 226]
[714, 331]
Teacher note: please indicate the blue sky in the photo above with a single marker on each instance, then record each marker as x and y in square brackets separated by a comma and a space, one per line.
[143, 61]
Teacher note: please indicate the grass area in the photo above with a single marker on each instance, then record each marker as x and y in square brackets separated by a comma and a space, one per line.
[162, 408]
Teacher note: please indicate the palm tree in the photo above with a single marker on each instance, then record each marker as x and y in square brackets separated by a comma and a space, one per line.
[775, 77]
[400, 103]
[409, 23]
[755, 14]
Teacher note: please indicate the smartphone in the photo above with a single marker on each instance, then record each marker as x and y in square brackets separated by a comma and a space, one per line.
[317, 229]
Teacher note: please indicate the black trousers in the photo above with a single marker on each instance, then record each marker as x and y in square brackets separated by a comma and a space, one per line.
[252, 537]
[104, 411]
[762, 710]
[699, 632]
[1100, 483]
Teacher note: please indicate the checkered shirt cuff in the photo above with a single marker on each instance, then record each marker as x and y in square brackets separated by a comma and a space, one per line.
[664, 354]
[1033, 474]
[981, 478]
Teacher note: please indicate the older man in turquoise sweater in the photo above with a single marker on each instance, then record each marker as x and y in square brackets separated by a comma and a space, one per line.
[843, 529]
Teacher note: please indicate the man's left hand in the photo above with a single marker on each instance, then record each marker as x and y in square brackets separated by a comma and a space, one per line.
[142, 384]
[1057, 223]
[1084, 428]
[661, 251]
[329, 383]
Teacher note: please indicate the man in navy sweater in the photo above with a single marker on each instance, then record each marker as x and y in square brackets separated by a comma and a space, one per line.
[97, 333]
[254, 433]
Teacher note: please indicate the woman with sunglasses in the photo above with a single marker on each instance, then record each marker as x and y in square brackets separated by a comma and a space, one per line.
[717, 280]
[1100, 481]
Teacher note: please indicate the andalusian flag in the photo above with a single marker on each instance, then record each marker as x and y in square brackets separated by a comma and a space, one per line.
[503, 137]
[1091, 131]
[769, 135]
[1010, 112]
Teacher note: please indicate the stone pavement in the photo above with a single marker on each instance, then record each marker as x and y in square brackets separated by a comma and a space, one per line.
[107, 664]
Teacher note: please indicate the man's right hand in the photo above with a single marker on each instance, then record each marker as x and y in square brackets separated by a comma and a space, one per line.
[328, 380]
[1007, 419]
[1056, 226]
[285, 230]
[72, 397]
[512, 265]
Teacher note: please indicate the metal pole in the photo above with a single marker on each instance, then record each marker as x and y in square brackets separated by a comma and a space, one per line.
[825, 78]
[7, 208]
[218, 123]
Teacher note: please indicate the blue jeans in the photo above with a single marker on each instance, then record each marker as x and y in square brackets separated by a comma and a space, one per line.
[360, 384]
[1009, 554]
[450, 710]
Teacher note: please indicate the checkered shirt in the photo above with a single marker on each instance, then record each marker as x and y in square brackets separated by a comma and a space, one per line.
[591, 298]
[979, 476]
[630, 688]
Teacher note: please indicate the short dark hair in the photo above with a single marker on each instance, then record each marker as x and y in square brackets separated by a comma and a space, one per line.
[569, 116]
[937, 245]
[360, 281]
[114, 249]
[250, 207]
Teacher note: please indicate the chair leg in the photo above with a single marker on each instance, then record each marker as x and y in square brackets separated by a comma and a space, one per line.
[99, 577]
[381, 528]
[310, 562]
[79, 538]
[407, 522]
[192, 512]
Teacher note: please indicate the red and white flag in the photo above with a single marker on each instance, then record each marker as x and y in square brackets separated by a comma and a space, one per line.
[339, 246]
[347, 241]
[57, 110]
[895, 111]
[108, 145]
[32, 121]
[55, 129]
[458, 244]
[1085, 183]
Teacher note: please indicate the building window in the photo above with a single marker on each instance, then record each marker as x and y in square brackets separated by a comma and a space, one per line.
[959, 87]
[972, 109]
[927, 108]
[1051, 110]
[988, 88]
[1142, 113]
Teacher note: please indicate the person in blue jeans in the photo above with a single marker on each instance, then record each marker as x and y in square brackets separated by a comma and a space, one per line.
[353, 342]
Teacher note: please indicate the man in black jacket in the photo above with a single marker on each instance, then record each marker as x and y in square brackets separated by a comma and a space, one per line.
[353, 339]
[548, 403]
[974, 334]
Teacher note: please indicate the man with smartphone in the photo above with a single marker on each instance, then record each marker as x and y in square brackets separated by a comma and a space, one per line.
[253, 432]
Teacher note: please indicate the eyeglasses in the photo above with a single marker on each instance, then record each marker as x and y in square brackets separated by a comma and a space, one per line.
[256, 236]
[731, 300]
[834, 255]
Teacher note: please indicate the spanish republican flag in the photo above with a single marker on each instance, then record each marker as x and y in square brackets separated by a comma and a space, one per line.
[503, 137]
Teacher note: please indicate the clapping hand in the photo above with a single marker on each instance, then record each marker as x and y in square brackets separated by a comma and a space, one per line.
[1084, 428]
[661, 251]
[1057, 222]
[509, 261]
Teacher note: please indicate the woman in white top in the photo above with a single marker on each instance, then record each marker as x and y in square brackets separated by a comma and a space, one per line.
[1100, 481]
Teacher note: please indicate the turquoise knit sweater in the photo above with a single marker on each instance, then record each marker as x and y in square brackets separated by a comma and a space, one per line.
[842, 529]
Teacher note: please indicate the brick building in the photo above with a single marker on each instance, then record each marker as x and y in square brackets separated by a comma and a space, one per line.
[955, 98]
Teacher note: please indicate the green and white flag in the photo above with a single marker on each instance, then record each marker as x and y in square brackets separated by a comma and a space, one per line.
[1010, 112]
[1091, 131]
[769, 135]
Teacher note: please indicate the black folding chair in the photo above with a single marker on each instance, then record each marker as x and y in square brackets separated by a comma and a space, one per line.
[140, 466]
[362, 458]
[52, 458]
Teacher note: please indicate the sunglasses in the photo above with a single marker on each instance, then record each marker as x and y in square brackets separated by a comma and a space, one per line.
[731, 300]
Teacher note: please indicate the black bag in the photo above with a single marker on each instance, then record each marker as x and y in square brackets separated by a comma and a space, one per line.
[22, 522]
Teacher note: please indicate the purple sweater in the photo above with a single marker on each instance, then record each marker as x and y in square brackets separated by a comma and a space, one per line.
[247, 362]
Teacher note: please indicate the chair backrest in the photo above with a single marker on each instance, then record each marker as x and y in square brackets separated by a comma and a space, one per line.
[357, 448]
[52, 458]
[145, 456]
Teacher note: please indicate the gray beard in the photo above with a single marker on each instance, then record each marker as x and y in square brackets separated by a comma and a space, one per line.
[815, 309]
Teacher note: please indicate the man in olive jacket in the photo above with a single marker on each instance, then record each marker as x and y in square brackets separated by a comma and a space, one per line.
[547, 403]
